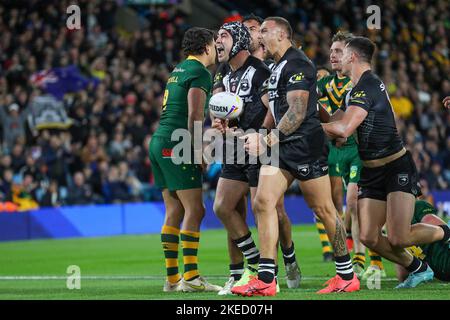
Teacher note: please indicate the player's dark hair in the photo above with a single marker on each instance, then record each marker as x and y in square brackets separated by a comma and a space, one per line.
[252, 16]
[363, 46]
[283, 23]
[342, 36]
[196, 39]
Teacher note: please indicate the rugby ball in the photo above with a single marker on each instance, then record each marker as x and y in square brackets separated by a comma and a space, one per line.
[226, 105]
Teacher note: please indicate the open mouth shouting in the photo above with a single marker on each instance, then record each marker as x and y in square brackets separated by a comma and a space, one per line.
[220, 51]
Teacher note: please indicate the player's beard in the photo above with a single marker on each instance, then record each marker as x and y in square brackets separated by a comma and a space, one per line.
[253, 48]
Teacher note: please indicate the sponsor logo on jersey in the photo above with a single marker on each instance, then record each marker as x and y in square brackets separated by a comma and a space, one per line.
[218, 78]
[178, 70]
[303, 169]
[244, 85]
[403, 179]
[167, 153]
[273, 79]
[172, 80]
[358, 94]
[296, 78]
[353, 172]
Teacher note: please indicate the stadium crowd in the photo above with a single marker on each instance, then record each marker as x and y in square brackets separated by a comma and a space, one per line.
[102, 156]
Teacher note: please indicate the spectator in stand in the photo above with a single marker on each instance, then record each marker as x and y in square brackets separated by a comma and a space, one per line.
[80, 192]
[403, 107]
[51, 197]
[130, 179]
[13, 123]
[17, 157]
[115, 190]
[24, 194]
[5, 163]
[93, 153]
[54, 155]
[6, 185]
[435, 179]
[119, 115]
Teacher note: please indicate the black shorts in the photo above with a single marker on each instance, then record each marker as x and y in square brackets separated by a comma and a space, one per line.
[306, 157]
[398, 175]
[242, 172]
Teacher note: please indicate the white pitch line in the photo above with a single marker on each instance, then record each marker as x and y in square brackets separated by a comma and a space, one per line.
[142, 277]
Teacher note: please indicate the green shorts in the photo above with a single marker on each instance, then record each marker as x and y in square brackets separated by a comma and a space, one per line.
[350, 164]
[168, 174]
[438, 257]
[334, 169]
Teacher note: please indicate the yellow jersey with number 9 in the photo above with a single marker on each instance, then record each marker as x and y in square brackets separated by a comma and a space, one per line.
[190, 73]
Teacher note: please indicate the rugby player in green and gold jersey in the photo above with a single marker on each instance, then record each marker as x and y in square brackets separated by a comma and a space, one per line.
[185, 103]
[343, 161]
[436, 254]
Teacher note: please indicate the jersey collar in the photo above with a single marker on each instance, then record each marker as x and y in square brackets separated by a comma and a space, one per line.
[193, 58]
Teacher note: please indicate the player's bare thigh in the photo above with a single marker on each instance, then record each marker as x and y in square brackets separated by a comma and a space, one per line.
[317, 194]
[399, 213]
[228, 195]
[272, 184]
[372, 217]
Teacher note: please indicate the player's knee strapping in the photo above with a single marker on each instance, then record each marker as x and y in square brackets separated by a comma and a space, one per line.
[190, 242]
[170, 240]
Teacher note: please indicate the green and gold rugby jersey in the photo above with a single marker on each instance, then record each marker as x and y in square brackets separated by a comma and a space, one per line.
[437, 254]
[332, 90]
[190, 73]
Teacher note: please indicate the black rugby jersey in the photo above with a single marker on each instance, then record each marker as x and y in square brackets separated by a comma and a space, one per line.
[377, 134]
[294, 71]
[249, 83]
[221, 71]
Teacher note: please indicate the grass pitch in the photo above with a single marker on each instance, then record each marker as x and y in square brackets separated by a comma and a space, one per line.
[132, 267]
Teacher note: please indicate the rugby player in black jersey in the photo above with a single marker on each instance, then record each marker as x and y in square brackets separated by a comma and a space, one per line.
[233, 176]
[389, 181]
[293, 104]
[293, 274]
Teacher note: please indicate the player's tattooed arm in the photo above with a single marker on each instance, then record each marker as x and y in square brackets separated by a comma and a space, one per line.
[296, 113]
[339, 243]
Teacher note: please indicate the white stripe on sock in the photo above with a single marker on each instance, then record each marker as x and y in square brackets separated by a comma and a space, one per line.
[267, 270]
[342, 263]
[237, 271]
[267, 265]
[245, 242]
[345, 271]
[420, 266]
[252, 255]
[251, 250]
[289, 256]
